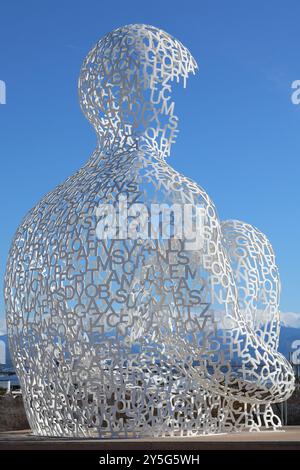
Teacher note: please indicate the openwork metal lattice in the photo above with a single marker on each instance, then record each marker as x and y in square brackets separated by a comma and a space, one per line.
[117, 333]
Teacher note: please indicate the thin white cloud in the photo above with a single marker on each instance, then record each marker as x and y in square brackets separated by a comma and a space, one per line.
[290, 319]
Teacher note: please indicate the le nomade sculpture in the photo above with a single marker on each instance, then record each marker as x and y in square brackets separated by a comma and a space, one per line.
[131, 309]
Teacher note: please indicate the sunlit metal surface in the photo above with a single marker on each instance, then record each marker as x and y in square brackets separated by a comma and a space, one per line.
[134, 336]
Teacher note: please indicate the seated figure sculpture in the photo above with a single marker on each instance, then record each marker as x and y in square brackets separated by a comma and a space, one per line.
[121, 330]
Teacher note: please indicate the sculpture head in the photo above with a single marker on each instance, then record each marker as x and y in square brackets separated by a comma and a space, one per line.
[125, 88]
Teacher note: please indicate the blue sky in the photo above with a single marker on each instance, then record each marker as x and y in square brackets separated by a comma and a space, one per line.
[239, 131]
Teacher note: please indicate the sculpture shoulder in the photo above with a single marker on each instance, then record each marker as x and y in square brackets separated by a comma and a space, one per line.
[58, 206]
[177, 186]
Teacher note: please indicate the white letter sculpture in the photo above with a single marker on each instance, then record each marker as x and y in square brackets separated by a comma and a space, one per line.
[121, 324]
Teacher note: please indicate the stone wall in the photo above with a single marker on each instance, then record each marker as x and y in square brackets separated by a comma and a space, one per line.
[12, 413]
[293, 409]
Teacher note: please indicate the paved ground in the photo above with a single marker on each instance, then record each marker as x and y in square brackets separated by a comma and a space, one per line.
[288, 439]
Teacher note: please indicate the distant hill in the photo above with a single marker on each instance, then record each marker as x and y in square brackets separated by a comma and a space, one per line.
[7, 370]
[287, 336]
[8, 362]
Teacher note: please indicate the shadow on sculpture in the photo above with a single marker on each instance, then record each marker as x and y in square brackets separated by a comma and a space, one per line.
[119, 325]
